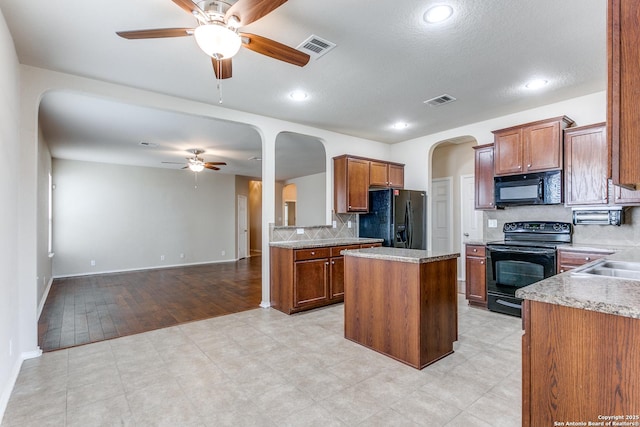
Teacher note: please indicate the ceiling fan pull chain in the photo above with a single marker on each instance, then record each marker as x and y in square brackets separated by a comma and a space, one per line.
[219, 91]
[195, 177]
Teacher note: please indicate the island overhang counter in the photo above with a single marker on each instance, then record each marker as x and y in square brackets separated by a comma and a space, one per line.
[402, 302]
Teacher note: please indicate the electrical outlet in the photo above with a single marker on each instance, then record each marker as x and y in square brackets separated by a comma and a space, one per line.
[161, 257]
[300, 230]
[93, 263]
[224, 253]
[335, 224]
[348, 224]
[492, 223]
[181, 256]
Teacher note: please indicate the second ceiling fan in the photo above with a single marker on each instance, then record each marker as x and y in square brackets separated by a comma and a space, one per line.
[217, 32]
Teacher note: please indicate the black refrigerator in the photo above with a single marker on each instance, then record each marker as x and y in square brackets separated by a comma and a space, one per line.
[397, 216]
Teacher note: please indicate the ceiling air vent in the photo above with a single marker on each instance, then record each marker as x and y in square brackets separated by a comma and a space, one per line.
[440, 100]
[316, 46]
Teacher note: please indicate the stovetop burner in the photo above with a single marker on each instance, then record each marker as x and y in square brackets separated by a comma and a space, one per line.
[544, 234]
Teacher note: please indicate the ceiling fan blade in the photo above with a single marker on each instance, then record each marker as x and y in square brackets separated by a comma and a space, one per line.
[222, 68]
[215, 164]
[173, 163]
[186, 5]
[248, 11]
[211, 167]
[274, 49]
[156, 33]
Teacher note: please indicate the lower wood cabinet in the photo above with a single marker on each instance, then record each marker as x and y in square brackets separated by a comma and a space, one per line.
[475, 275]
[302, 279]
[578, 366]
[568, 259]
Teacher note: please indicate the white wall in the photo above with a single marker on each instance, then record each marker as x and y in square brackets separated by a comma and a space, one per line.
[310, 199]
[9, 225]
[126, 217]
[45, 265]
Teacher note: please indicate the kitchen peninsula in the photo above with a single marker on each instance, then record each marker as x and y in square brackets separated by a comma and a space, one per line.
[580, 348]
[401, 302]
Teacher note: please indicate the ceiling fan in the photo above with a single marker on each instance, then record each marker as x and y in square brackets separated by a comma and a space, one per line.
[197, 163]
[217, 32]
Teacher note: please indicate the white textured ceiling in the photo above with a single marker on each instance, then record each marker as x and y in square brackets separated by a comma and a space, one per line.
[386, 63]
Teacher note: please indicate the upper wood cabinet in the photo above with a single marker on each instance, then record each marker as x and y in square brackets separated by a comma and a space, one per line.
[353, 176]
[350, 184]
[587, 172]
[532, 147]
[484, 187]
[623, 113]
[383, 174]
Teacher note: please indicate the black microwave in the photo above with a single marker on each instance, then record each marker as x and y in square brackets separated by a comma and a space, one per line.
[540, 188]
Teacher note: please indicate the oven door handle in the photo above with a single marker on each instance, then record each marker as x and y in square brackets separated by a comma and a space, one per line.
[508, 304]
[542, 251]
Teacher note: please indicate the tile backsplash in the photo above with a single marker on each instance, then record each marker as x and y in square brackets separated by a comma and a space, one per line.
[628, 234]
[317, 232]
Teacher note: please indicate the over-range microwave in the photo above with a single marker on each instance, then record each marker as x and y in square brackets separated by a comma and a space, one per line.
[540, 188]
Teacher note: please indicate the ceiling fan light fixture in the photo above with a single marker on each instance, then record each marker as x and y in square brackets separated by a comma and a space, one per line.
[217, 41]
[536, 84]
[298, 95]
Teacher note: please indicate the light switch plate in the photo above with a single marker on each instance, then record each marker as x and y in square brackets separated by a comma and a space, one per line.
[300, 230]
[492, 223]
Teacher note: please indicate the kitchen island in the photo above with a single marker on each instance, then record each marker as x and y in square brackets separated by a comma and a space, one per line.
[401, 302]
[580, 350]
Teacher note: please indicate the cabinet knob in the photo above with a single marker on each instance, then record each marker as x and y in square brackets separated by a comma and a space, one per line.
[475, 250]
[528, 165]
[333, 262]
[326, 263]
[482, 262]
[562, 270]
[313, 253]
[490, 203]
[587, 258]
[519, 166]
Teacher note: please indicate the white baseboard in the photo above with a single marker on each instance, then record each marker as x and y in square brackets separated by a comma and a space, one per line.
[13, 377]
[44, 297]
[157, 267]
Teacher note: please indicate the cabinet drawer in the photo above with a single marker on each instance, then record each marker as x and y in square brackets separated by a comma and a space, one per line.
[371, 245]
[315, 253]
[335, 251]
[577, 258]
[475, 250]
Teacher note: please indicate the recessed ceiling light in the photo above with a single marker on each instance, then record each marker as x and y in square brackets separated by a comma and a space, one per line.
[298, 95]
[536, 84]
[438, 13]
[400, 125]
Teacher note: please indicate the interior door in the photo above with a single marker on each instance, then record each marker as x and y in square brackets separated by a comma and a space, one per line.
[471, 219]
[441, 211]
[242, 227]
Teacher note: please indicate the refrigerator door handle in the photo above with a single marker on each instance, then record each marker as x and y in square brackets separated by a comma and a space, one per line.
[407, 224]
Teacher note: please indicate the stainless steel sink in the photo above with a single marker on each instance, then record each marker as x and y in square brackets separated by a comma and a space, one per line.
[616, 269]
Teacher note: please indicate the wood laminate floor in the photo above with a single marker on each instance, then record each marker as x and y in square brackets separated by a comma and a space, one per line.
[81, 310]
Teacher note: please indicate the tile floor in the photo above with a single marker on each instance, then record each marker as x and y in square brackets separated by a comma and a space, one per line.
[264, 368]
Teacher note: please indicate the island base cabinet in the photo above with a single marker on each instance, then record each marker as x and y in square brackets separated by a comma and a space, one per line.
[578, 366]
[407, 311]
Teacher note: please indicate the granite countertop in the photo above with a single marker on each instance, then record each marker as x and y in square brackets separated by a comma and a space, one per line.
[596, 293]
[415, 256]
[322, 243]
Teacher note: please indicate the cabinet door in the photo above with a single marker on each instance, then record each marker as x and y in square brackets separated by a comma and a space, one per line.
[625, 197]
[378, 174]
[587, 166]
[310, 284]
[476, 288]
[484, 187]
[508, 152]
[358, 191]
[336, 286]
[623, 114]
[542, 147]
[396, 176]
